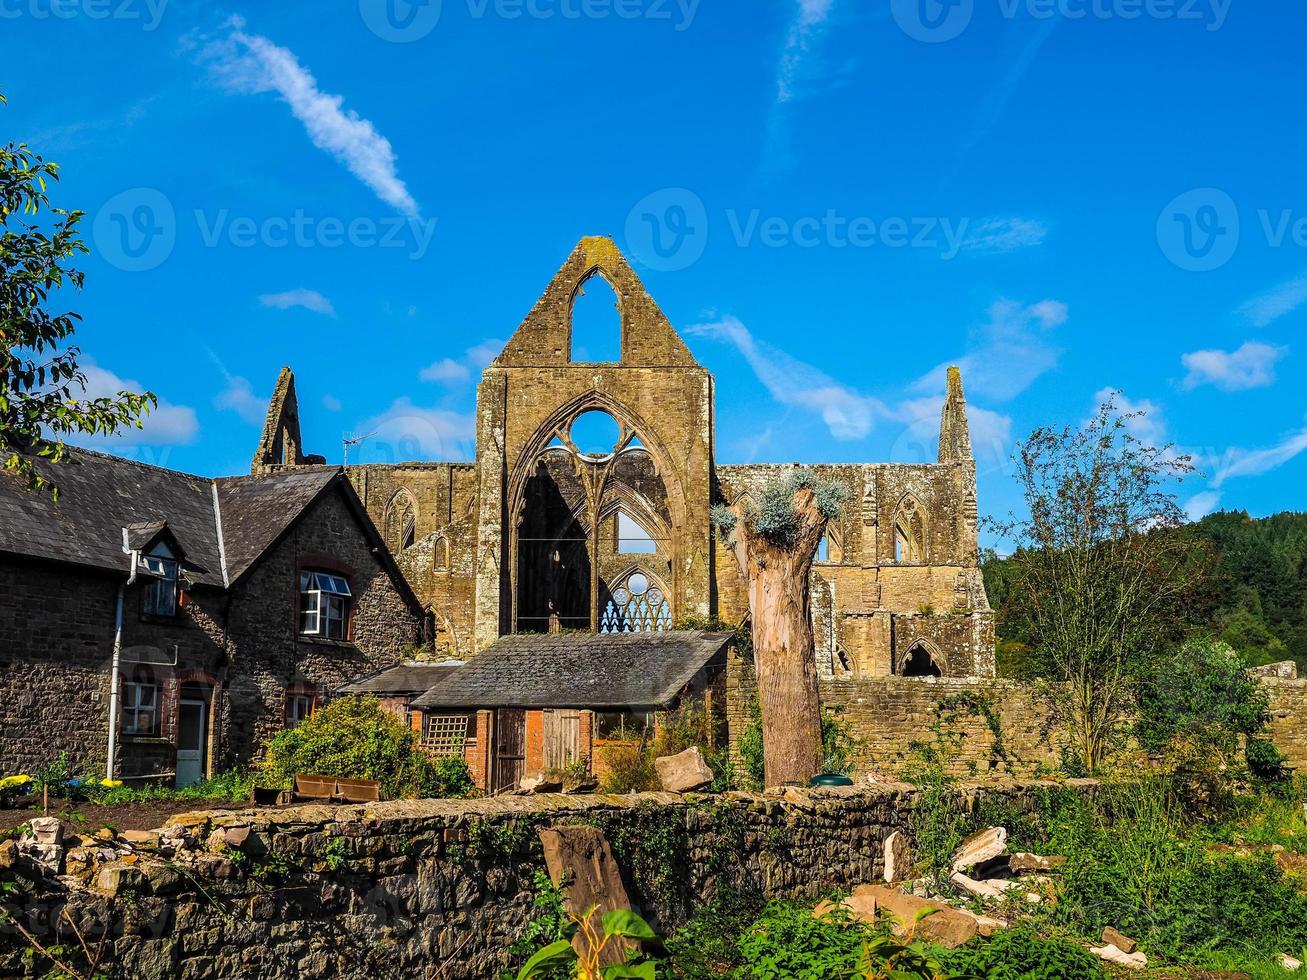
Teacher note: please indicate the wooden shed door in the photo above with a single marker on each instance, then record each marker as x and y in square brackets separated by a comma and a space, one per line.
[510, 747]
[562, 737]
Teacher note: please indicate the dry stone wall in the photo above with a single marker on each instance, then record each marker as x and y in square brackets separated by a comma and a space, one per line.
[419, 888]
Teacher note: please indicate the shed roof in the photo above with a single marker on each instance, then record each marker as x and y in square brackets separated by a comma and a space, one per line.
[404, 679]
[583, 670]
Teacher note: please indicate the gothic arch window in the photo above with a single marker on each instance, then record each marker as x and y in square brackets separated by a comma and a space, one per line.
[909, 532]
[632, 538]
[595, 434]
[596, 330]
[637, 605]
[440, 554]
[400, 524]
[830, 548]
[920, 662]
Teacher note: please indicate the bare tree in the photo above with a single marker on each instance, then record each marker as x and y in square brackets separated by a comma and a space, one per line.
[1101, 574]
[775, 542]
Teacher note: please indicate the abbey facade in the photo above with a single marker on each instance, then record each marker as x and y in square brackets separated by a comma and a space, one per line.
[550, 530]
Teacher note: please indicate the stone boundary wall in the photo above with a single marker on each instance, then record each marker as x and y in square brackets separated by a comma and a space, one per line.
[420, 888]
[888, 714]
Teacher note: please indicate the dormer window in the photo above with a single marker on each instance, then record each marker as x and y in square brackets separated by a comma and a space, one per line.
[324, 605]
[161, 589]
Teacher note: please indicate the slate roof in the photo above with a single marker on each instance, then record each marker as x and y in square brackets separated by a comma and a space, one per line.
[404, 679]
[101, 495]
[578, 670]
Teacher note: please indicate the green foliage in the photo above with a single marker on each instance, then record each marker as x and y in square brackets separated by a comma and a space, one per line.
[615, 926]
[773, 516]
[353, 737]
[786, 942]
[40, 378]
[230, 786]
[840, 748]
[548, 924]
[1020, 954]
[629, 767]
[1200, 690]
[750, 747]
[706, 947]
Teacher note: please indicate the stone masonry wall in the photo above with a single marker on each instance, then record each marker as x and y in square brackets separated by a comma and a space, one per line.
[420, 888]
[888, 714]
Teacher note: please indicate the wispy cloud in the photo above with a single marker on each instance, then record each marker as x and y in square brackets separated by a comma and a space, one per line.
[448, 371]
[846, 413]
[1250, 366]
[1283, 299]
[445, 371]
[1007, 352]
[239, 397]
[309, 299]
[166, 425]
[1237, 462]
[331, 403]
[1005, 235]
[802, 40]
[251, 64]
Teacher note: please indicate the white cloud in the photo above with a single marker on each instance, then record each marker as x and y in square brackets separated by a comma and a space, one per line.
[251, 65]
[1008, 352]
[445, 371]
[406, 431]
[167, 424]
[309, 299]
[450, 372]
[1201, 504]
[1251, 366]
[1280, 301]
[239, 397]
[1005, 235]
[1254, 462]
[331, 403]
[846, 413]
[807, 27]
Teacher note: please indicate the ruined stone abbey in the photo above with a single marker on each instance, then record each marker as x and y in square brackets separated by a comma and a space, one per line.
[548, 530]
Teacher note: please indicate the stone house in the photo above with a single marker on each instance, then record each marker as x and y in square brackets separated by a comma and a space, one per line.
[533, 702]
[225, 609]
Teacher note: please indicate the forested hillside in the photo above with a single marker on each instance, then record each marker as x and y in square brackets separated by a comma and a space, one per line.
[1254, 597]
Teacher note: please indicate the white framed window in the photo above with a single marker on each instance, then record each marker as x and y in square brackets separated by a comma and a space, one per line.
[140, 708]
[161, 588]
[299, 705]
[324, 605]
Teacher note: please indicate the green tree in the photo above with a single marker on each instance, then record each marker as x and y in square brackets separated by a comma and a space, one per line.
[40, 381]
[1100, 577]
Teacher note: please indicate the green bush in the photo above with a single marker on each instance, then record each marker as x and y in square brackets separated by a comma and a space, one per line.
[354, 738]
[786, 942]
[1019, 954]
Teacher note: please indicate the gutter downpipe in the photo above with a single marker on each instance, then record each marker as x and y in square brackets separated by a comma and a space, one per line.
[115, 676]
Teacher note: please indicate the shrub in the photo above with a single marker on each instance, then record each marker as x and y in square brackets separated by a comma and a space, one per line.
[354, 738]
[1019, 954]
[786, 942]
[750, 746]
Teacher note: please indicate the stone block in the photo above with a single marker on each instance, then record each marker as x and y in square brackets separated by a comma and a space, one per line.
[684, 772]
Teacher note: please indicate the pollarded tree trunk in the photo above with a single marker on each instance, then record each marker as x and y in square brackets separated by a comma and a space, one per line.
[783, 652]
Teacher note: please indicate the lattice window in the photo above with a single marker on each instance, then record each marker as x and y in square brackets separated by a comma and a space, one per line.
[637, 606]
[445, 734]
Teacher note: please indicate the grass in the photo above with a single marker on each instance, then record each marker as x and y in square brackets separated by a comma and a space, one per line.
[233, 787]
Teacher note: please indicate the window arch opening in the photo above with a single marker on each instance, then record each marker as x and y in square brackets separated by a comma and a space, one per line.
[596, 335]
[921, 664]
[595, 433]
[632, 538]
[636, 606]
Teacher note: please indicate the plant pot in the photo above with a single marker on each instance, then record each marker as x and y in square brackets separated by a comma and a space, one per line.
[830, 779]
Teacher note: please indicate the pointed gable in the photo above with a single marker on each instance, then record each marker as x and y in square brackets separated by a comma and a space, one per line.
[954, 433]
[544, 337]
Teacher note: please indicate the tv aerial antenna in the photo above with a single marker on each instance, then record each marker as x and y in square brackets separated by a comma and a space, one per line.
[354, 439]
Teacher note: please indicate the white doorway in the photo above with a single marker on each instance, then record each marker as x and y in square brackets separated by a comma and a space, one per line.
[192, 736]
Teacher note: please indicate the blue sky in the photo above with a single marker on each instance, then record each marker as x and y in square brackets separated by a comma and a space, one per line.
[830, 200]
